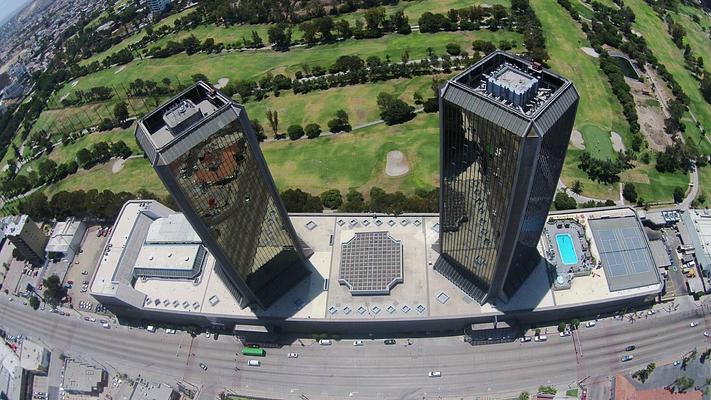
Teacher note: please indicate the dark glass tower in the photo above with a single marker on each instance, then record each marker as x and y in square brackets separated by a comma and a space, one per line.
[505, 125]
[205, 151]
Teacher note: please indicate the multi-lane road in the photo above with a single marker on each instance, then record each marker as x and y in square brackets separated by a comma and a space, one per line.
[373, 370]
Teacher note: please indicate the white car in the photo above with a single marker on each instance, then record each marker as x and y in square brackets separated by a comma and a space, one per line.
[525, 339]
[208, 334]
[590, 324]
[706, 333]
[170, 331]
[358, 343]
[693, 324]
[434, 374]
[325, 342]
[292, 355]
[565, 333]
[540, 338]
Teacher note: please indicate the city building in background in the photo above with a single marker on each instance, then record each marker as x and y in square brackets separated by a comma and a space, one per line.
[505, 125]
[204, 149]
[28, 238]
[157, 6]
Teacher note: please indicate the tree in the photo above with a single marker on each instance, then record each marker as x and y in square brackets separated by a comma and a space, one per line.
[354, 202]
[120, 149]
[563, 201]
[629, 192]
[273, 118]
[523, 396]
[84, 158]
[454, 49]
[547, 390]
[101, 152]
[575, 323]
[706, 87]
[199, 77]
[34, 302]
[53, 290]
[121, 112]
[295, 200]
[295, 132]
[47, 168]
[312, 131]
[577, 187]
[678, 194]
[279, 36]
[393, 110]
[561, 327]
[683, 383]
[332, 198]
[340, 123]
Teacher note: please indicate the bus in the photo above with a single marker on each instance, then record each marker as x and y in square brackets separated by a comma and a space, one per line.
[254, 351]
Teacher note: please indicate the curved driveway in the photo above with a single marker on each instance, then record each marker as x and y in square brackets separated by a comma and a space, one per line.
[373, 370]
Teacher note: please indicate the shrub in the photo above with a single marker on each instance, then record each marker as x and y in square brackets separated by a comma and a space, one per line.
[312, 131]
[295, 132]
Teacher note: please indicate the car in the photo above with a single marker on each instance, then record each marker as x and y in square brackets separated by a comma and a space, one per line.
[42, 307]
[434, 374]
[84, 272]
[676, 362]
[254, 363]
[590, 324]
[170, 331]
[292, 355]
[92, 319]
[10, 298]
[651, 312]
[203, 366]
[540, 338]
[389, 341]
[525, 339]
[630, 347]
[706, 333]
[357, 343]
[106, 326]
[325, 342]
[87, 319]
[207, 334]
[565, 333]
[627, 357]
[693, 324]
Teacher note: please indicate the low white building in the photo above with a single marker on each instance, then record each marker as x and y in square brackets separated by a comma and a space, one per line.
[65, 239]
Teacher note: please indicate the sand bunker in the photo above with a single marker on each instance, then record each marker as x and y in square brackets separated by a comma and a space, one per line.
[576, 139]
[397, 164]
[121, 68]
[617, 143]
[117, 166]
[221, 83]
[590, 51]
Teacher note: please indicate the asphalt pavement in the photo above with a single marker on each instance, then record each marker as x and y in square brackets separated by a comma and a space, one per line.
[373, 370]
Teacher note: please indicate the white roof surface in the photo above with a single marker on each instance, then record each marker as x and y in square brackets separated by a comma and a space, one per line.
[174, 228]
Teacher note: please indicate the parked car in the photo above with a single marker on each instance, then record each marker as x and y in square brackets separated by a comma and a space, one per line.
[203, 366]
[389, 341]
[357, 343]
[693, 324]
[525, 339]
[434, 374]
[292, 355]
[590, 324]
[325, 342]
[540, 338]
[565, 333]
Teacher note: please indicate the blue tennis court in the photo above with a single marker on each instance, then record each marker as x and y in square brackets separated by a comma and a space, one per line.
[566, 249]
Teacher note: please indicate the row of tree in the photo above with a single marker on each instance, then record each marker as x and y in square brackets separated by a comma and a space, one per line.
[296, 200]
[93, 204]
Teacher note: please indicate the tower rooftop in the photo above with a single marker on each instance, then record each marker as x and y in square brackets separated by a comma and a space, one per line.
[511, 82]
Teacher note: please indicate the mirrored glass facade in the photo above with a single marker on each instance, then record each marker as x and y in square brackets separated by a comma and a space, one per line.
[505, 125]
[215, 171]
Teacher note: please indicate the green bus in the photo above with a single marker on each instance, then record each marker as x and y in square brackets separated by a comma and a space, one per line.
[254, 351]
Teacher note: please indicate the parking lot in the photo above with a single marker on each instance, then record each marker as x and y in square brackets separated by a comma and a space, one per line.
[82, 268]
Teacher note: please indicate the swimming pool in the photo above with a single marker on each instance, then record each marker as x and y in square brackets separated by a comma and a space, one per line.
[566, 249]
